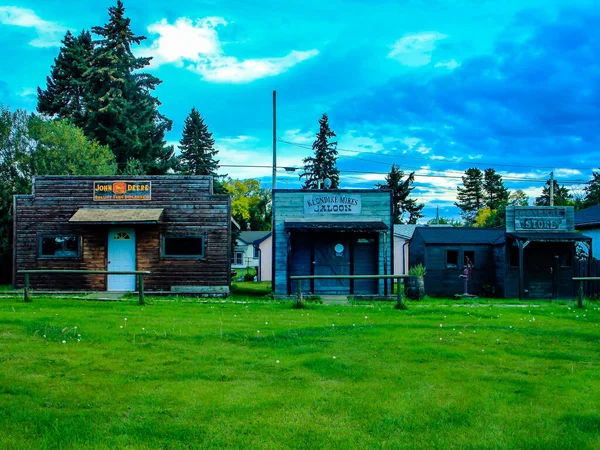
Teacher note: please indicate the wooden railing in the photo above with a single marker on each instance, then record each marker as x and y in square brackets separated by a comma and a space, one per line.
[580, 293]
[139, 273]
[399, 300]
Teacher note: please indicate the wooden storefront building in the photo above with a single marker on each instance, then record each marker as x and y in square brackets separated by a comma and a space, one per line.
[332, 232]
[171, 226]
[534, 257]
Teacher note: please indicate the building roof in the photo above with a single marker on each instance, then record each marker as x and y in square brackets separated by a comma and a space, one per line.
[588, 217]
[461, 235]
[250, 237]
[404, 231]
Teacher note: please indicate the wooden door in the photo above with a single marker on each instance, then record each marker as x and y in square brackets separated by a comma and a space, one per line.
[332, 257]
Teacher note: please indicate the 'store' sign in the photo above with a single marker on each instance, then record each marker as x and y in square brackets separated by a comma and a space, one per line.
[541, 219]
[122, 190]
[324, 204]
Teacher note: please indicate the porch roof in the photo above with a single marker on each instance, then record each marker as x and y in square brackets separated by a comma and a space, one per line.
[116, 216]
[336, 226]
[544, 236]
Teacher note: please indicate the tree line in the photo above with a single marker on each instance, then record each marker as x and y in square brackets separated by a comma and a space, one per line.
[483, 198]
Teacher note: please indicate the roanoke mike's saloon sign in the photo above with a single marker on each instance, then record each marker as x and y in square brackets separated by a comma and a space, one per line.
[122, 190]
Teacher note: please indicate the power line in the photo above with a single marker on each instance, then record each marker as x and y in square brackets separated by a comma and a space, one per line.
[307, 146]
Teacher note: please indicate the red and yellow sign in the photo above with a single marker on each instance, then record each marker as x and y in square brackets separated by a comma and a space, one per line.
[122, 190]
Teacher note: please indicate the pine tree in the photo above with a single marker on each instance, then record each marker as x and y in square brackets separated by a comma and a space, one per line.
[592, 191]
[323, 165]
[562, 196]
[470, 196]
[401, 188]
[123, 113]
[196, 145]
[496, 195]
[65, 93]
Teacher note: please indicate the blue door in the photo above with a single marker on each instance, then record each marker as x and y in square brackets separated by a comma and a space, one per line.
[121, 257]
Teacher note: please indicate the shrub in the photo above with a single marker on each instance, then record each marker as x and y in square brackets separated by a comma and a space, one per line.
[417, 271]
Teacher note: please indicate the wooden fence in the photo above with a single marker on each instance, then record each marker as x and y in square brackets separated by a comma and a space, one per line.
[140, 275]
[583, 269]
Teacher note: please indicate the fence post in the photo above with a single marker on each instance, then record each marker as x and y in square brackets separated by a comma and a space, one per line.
[141, 288]
[580, 298]
[299, 298]
[399, 294]
[26, 294]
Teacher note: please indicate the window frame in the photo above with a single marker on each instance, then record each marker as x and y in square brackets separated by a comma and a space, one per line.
[41, 237]
[471, 253]
[235, 253]
[166, 236]
[256, 252]
[449, 265]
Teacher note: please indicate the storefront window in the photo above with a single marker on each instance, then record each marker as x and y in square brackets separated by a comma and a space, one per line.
[182, 246]
[59, 246]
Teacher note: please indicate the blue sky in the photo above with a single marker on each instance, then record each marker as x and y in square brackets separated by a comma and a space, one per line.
[435, 86]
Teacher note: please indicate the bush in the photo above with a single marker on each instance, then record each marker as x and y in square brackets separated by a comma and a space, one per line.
[249, 277]
[417, 271]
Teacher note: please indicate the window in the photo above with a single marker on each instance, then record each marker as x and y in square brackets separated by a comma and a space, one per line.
[65, 246]
[452, 259]
[238, 258]
[182, 246]
[256, 252]
[469, 256]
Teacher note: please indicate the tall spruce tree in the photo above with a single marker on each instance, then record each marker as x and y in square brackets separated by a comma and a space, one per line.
[197, 147]
[471, 196]
[123, 113]
[562, 196]
[496, 195]
[323, 164]
[592, 191]
[65, 93]
[103, 91]
[406, 210]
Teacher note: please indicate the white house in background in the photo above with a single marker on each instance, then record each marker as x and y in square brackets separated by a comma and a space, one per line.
[402, 236]
[248, 252]
[265, 247]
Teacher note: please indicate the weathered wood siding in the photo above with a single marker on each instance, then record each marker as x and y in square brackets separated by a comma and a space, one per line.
[190, 208]
[289, 205]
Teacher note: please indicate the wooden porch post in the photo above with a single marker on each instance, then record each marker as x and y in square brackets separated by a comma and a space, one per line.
[521, 281]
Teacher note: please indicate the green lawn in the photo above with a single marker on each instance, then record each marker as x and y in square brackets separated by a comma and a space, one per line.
[186, 374]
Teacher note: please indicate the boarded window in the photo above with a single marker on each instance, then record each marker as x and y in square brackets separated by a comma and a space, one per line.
[183, 246]
[60, 246]
[452, 259]
[469, 257]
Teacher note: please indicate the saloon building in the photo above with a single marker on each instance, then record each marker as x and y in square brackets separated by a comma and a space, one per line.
[332, 232]
[533, 257]
[172, 226]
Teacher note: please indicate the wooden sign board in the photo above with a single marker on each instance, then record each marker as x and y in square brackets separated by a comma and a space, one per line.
[540, 218]
[122, 190]
[332, 204]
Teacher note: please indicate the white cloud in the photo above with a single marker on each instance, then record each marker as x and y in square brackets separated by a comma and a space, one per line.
[49, 33]
[416, 49]
[196, 45]
[448, 64]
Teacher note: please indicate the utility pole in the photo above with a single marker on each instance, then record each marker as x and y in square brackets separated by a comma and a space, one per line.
[551, 188]
[274, 138]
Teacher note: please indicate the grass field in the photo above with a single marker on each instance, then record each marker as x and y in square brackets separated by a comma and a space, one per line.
[186, 374]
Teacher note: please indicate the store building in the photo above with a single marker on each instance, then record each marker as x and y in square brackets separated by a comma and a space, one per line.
[332, 232]
[172, 226]
[533, 257]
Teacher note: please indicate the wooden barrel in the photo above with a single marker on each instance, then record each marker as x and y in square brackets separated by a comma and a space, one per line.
[415, 288]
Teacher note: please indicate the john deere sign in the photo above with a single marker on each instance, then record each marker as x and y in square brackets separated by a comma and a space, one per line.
[122, 190]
